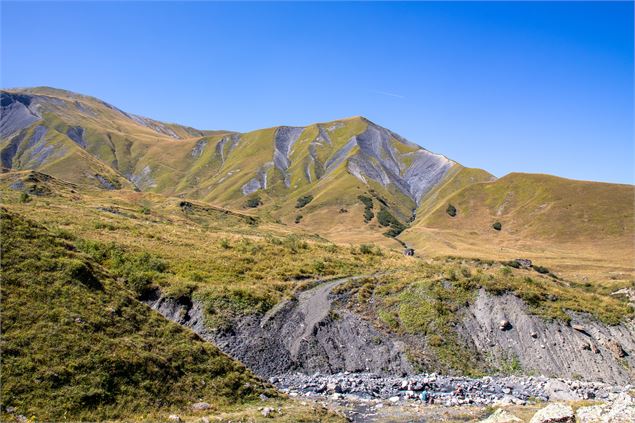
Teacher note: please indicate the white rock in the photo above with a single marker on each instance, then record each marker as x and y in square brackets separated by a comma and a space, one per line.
[554, 413]
[592, 414]
[501, 416]
[174, 418]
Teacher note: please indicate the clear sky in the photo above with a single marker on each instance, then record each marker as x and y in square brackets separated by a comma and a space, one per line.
[535, 87]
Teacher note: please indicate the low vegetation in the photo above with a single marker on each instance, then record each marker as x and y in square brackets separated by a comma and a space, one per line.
[451, 210]
[253, 202]
[235, 266]
[77, 346]
[386, 219]
[303, 201]
[368, 207]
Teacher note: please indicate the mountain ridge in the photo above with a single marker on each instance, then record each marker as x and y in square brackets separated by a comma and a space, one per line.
[349, 180]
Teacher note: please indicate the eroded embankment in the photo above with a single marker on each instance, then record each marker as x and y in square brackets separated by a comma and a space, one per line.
[305, 334]
[313, 333]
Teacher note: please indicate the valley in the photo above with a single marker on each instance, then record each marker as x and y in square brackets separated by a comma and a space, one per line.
[150, 266]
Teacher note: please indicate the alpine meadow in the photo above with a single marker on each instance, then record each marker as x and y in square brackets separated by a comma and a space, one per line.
[325, 272]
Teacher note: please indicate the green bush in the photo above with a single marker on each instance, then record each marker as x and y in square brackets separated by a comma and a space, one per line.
[303, 201]
[298, 218]
[253, 202]
[386, 219]
[366, 249]
[497, 226]
[368, 207]
[541, 269]
[24, 197]
[451, 210]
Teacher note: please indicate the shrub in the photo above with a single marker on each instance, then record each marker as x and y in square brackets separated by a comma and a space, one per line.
[368, 208]
[295, 244]
[145, 210]
[303, 201]
[451, 210]
[253, 202]
[497, 225]
[224, 243]
[24, 197]
[368, 215]
[298, 218]
[386, 219]
[541, 269]
[366, 249]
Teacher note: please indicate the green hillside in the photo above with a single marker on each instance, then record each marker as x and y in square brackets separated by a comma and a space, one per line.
[76, 345]
[539, 216]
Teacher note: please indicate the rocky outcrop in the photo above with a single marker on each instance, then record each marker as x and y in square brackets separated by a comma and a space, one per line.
[313, 333]
[306, 334]
[15, 113]
[284, 139]
[552, 348]
[414, 173]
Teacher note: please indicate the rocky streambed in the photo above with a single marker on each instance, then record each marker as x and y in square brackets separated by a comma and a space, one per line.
[367, 397]
[479, 391]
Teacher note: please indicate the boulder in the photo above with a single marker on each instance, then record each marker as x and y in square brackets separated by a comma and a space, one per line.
[591, 414]
[622, 410]
[560, 391]
[267, 412]
[505, 325]
[200, 406]
[174, 418]
[554, 413]
[501, 416]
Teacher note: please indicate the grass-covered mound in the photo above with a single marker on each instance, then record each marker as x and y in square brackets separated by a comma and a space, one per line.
[77, 346]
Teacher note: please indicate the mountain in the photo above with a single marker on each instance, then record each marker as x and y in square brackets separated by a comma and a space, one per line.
[348, 180]
[571, 224]
[85, 140]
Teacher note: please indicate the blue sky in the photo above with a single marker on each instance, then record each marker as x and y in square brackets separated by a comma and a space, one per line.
[535, 87]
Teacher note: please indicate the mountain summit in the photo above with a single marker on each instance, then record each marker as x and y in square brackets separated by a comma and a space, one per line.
[85, 140]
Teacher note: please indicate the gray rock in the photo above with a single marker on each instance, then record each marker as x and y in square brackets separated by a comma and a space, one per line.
[501, 416]
[174, 418]
[554, 413]
[267, 412]
[199, 406]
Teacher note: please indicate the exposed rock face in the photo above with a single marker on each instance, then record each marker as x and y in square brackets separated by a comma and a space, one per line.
[305, 334]
[380, 161]
[259, 182]
[284, 139]
[557, 348]
[312, 333]
[76, 133]
[15, 113]
[554, 413]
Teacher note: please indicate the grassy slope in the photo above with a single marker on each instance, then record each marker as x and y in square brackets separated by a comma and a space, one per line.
[225, 260]
[76, 345]
[576, 226]
[119, 147]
